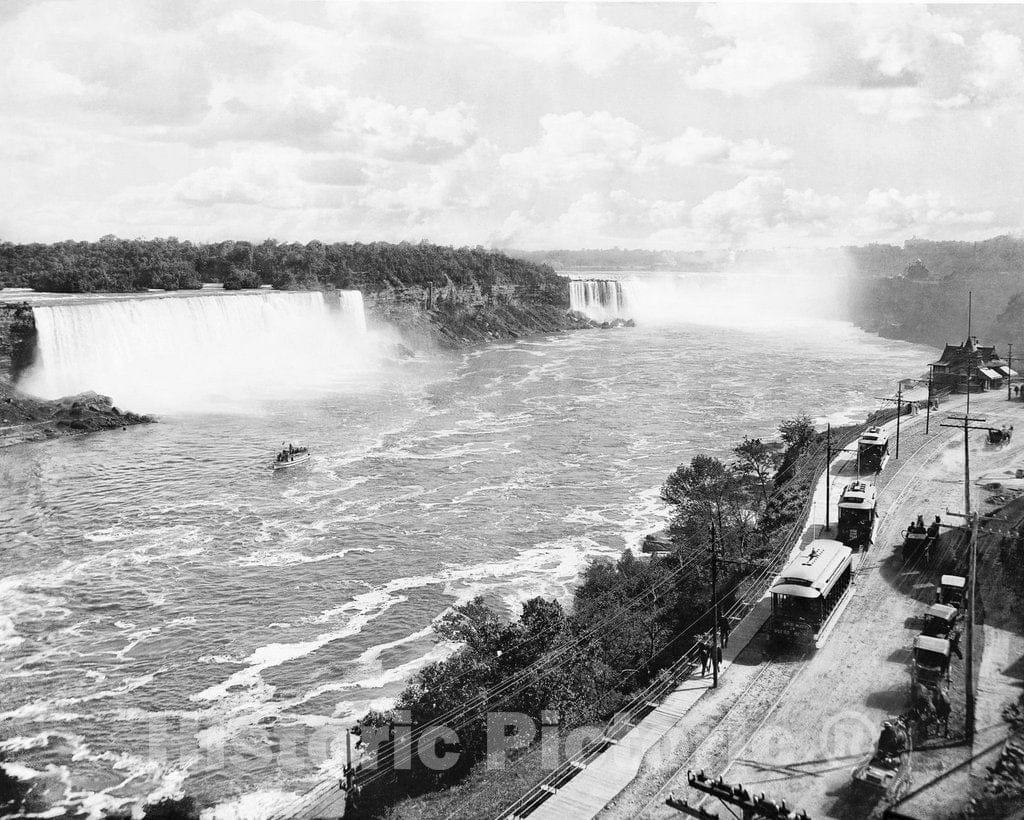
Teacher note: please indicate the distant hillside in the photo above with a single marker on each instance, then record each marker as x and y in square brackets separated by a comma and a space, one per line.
[918, 292]
[620, 259]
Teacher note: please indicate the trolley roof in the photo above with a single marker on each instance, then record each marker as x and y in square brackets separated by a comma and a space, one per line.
[873, 437]
[812, 569]
[929, 644]
[953, 581]
[858, 495]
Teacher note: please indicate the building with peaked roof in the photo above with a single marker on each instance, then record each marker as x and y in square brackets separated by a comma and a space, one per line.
[969, 366]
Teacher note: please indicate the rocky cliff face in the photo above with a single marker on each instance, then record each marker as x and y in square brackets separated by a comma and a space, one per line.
[934, 311]
[454, 317]
[17, 339]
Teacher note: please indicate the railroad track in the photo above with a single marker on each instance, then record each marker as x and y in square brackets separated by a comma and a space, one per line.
[769, 678]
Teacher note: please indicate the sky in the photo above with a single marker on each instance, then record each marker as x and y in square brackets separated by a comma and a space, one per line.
[519, 125]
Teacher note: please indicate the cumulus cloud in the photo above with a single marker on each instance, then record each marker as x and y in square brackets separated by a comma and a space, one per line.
[596, 147]
[888, 211]
[902, 61]
[583, 39]
[759, 205]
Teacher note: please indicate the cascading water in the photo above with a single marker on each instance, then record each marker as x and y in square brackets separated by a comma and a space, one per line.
[182, 352]
[597, 299]
[745, 299]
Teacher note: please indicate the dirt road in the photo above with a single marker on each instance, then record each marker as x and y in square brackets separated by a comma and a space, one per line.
[798, 735]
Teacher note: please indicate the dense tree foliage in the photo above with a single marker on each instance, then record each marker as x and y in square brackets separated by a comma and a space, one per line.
[629, 620]
[114, 264]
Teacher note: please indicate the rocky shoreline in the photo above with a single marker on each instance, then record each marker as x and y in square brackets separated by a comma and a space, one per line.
[457, 326]
[24, 418]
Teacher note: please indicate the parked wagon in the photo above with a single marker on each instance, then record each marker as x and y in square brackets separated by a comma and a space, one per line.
[939, 621]
[931, 660]
[952, 590]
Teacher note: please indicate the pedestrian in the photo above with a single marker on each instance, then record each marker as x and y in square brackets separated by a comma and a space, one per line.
[718, 655]
[954, 643]
[704, 653]
[723, 630]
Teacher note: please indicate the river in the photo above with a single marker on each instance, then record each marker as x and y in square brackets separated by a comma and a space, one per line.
[173, 615]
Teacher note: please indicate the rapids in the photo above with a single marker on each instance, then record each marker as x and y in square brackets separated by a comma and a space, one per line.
[173, 615]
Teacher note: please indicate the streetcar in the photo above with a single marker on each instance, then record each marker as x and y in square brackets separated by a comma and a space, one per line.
[808, 590]
[872, 450]
[858, 517]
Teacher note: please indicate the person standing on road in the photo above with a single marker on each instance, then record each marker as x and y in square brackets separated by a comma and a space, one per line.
[723, 630]
[954, 643]
[704, 653]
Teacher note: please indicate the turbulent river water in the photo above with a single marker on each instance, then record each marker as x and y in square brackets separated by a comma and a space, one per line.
[174, 615]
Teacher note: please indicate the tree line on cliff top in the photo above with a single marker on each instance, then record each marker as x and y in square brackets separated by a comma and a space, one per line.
[126, 265]
[553, 658]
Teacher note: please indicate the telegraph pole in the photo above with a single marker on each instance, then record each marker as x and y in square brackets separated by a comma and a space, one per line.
[971, 609]
[754, 807]
[928, 412]
[1009, 370]
[899, 412]
[828, 477]
[972, 570]
[963, 422]
[714, 609]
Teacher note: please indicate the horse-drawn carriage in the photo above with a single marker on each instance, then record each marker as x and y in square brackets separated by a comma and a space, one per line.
[940, 621]
[886, 774]
[952, 591]
[931, 660]
[1000, 435]
[919, 540]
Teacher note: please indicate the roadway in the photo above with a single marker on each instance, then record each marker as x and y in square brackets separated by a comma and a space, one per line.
[795, 729]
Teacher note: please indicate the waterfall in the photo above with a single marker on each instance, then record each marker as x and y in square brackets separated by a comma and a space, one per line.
[598, 299]
[185, 351]
[762, 297]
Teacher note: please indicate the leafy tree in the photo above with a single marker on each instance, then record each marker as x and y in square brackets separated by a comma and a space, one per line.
[758, 460]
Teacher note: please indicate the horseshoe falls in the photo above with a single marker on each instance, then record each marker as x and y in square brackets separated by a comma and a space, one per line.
[742, 298]
[184, 352]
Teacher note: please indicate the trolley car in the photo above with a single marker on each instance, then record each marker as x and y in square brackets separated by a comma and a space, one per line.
[872, 450]
[858, 517]
[808, 591]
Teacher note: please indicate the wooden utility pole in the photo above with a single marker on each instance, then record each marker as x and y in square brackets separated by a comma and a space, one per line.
[714, 608]
[828, 476]
[964, 423]
[971, 609]
[973, 520]
[1009, 370]
[928, 412]
[899, 412]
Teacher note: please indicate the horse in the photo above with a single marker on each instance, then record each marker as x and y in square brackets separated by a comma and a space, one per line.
[941, 704]
[922, 707]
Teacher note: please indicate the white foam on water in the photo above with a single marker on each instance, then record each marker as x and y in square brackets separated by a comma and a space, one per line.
[251, 806]
[273, 558]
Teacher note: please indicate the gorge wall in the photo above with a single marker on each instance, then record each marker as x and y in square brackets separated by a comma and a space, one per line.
[17, 339]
